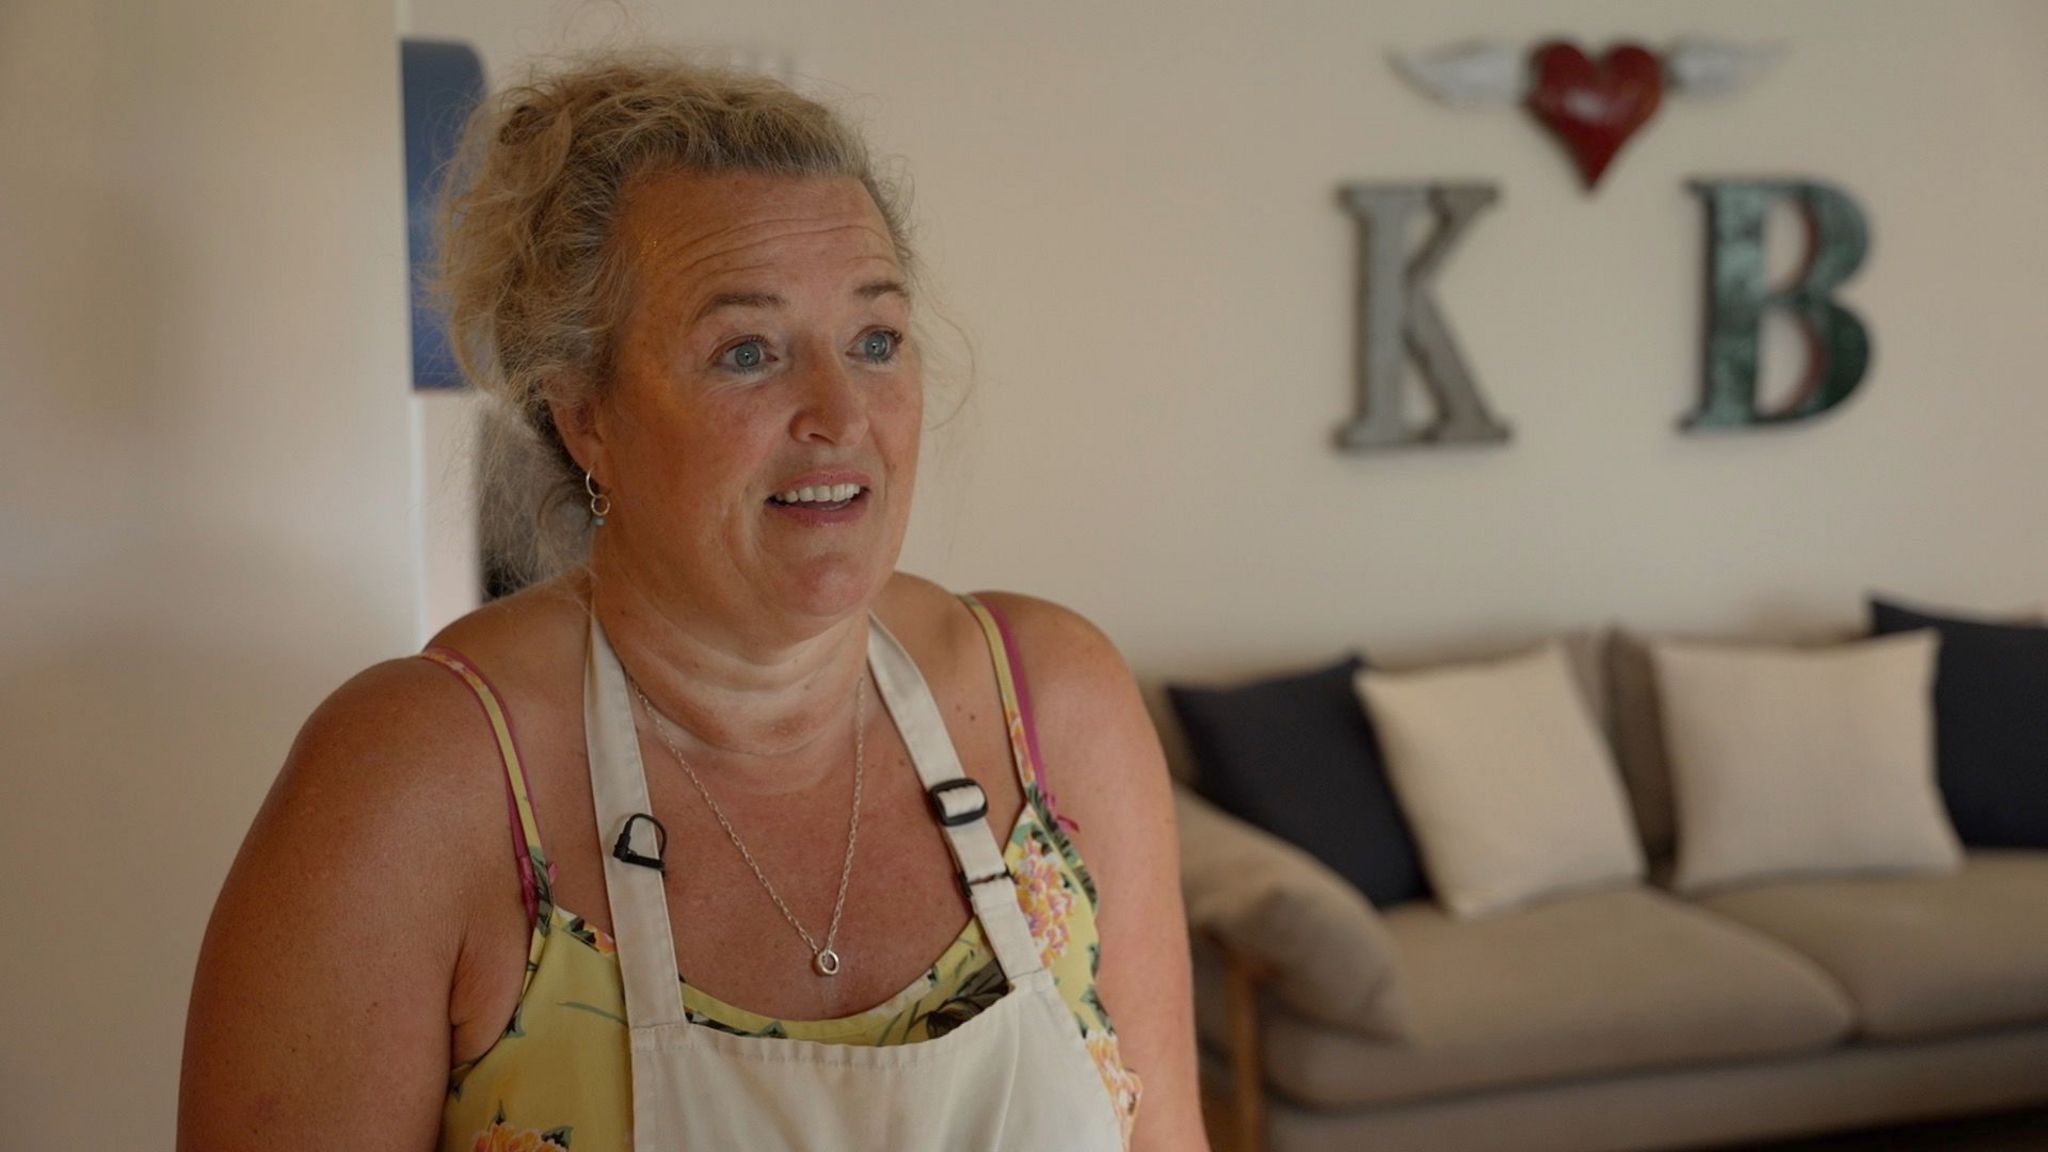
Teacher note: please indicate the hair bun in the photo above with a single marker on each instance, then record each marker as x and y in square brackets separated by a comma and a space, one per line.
[525, 122]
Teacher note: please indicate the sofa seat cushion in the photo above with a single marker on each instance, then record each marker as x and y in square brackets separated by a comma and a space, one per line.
[1587, 985]
[1920, 956]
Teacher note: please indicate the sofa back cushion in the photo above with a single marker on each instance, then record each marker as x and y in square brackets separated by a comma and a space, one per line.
[1506, 779]
[1990, 722]
[1296, 756]
[1637, 723]
[1790, 761]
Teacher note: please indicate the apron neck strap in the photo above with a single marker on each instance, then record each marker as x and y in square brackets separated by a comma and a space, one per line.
[630, 839]
[958, 803]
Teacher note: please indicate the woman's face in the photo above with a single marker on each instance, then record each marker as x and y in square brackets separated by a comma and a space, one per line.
[760, 438]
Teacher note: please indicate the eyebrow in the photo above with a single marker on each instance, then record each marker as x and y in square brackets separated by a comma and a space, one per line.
[739, 300]
[878, 288]
[872, 290]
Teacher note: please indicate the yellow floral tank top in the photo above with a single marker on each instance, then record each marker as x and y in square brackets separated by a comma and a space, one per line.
[560, 1074]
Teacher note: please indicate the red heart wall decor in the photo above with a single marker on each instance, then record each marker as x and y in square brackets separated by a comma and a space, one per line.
[1595, 107]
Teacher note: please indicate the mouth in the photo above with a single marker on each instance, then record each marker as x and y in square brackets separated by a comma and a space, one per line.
[822, 498]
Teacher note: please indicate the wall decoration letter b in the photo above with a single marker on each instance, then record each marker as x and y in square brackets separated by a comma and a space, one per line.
[1738, 300]
[1397, 314]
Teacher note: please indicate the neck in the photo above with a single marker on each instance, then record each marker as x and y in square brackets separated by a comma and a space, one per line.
[768, 713]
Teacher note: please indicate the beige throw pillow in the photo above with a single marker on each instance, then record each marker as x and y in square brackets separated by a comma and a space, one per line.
[1506, 782]
[1801, 761]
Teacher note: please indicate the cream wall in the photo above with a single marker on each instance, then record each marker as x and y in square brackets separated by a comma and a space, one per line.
[214, 514]
[205, 449]
[1131, 210]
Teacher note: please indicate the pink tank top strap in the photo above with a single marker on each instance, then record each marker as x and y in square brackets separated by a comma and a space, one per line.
[1016, 697]
[536, 873]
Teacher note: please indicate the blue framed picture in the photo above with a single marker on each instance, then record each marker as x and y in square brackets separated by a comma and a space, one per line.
[443, 81]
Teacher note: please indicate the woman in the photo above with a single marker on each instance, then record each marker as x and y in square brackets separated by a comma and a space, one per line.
[730, 742]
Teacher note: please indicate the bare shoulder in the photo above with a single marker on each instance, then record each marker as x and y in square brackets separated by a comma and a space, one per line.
[394, 737]
[536, 632]
[1097, 739]
[390, 780]
[1074, 669]
[323, 982]
[1068, 662]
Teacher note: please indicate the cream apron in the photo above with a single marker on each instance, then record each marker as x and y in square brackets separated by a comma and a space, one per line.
[1016, 1077]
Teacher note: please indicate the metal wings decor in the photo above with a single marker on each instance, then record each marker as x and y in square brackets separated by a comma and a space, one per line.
[1593, 106]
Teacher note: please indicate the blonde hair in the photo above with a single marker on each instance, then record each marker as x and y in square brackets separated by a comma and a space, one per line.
[530, 282]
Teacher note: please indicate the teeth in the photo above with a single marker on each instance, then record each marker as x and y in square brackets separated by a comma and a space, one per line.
[826, 494]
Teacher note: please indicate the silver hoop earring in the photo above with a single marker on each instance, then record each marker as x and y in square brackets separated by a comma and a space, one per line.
[600, 504]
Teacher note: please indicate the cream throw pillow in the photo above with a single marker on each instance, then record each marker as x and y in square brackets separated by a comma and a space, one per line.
[1505, 780]
[1801, 761]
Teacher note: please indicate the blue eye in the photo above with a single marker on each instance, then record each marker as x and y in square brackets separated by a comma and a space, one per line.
[879, 346]
[746, 356]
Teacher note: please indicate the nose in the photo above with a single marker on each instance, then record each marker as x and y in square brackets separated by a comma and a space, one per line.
[831, 408]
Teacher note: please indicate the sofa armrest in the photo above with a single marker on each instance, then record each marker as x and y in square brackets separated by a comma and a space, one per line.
[1319, 945]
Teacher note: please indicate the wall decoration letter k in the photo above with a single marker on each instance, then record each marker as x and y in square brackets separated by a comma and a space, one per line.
[1397, 314]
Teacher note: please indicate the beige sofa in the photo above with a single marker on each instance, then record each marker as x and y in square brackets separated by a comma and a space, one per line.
[1620, 1018]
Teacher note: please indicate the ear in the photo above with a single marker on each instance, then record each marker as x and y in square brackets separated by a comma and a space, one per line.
[582, 430]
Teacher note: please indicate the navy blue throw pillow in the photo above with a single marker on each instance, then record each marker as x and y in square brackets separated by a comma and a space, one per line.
[1297, 757]
[1990, 724]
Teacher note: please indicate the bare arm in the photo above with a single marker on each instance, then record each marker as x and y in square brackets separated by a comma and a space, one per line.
[1103, 759]
[320, 1009]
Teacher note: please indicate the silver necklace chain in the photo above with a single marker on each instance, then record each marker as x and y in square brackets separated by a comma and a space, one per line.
[824, 960]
